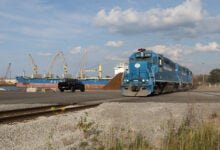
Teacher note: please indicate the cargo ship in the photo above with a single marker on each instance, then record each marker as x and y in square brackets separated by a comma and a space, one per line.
[90, 83]
[49, 81]
[37, 81]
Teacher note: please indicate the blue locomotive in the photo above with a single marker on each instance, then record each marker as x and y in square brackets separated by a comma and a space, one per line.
[152, 73]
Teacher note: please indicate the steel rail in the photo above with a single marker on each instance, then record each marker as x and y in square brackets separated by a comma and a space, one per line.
[53, 111]
[25, 110]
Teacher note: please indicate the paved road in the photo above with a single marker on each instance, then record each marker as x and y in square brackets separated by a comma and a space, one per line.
[194, 96]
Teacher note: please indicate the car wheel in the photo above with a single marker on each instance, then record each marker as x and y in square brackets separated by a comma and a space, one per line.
[73, 89]
[61, 90]
[82, 89]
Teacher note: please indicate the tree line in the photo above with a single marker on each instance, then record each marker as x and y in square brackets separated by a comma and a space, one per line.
[213, 77]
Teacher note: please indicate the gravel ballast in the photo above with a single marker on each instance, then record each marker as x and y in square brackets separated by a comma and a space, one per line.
[61, 131]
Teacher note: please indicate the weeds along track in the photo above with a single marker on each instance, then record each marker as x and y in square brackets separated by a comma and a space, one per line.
[211, 93]
[18, 115]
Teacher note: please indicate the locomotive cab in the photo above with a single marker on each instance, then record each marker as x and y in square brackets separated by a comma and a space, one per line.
[139, 79]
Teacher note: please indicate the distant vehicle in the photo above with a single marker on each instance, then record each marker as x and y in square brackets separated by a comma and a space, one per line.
[151, 73]
[71, 84]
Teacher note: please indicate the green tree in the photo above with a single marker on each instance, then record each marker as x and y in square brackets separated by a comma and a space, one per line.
[214, 76]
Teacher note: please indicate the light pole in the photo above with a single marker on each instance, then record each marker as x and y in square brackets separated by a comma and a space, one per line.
[203, 75]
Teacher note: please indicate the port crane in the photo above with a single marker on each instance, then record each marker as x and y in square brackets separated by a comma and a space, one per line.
[7, 71]
[4, 79]
[49, 74]
[35, 69]
[82, 70]
[65, 66]
[98, 70]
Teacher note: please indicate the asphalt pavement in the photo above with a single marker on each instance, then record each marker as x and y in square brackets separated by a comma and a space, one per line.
[192, 96]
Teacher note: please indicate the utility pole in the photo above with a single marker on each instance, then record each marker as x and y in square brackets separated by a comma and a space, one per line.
[203, 76]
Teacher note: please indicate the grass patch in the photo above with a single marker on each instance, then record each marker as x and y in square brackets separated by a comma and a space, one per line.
[85, 125]
[205, 136]
[138, 142]
[190, 136]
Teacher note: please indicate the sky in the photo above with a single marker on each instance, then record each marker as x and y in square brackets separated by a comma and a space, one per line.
[187, 32]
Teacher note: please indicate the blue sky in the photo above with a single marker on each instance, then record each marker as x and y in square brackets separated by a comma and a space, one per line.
[187, 32]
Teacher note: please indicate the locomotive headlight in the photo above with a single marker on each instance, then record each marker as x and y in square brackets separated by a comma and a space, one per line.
[126, 80]
[143, 80]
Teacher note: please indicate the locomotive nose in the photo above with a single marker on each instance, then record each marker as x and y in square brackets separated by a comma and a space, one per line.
[140, 71]
[138, 82]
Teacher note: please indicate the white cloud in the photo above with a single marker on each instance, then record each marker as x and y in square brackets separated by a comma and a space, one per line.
[114, 43]
[131, 21]
[212, 46]
[174, 52]
[76, 50]
[178, 52]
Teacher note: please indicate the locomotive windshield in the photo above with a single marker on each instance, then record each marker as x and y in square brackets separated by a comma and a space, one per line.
[143, 57]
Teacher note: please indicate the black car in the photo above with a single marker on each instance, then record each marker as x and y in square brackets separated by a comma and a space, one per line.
[71, 84]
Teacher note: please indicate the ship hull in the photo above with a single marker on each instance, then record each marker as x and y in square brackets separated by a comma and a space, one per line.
[53, 83]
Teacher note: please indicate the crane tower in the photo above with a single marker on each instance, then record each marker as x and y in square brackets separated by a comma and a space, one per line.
[35, 68]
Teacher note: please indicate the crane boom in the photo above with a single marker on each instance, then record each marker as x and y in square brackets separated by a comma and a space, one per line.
[49, 74]
[33, 64]
[65, 67]
[81, 71]
[98, 70]
[7, 70]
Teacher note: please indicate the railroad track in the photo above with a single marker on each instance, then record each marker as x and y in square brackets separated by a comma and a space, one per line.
[17, 115]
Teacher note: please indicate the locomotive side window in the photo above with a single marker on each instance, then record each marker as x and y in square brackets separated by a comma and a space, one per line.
[160, 62]
[168, 65]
